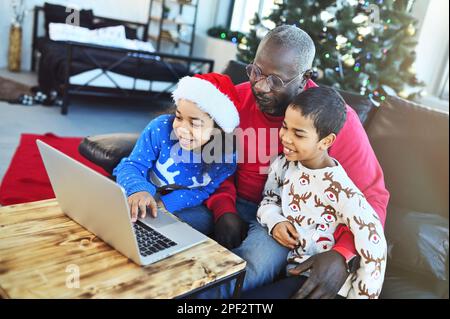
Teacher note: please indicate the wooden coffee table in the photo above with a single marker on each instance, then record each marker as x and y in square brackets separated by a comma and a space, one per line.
[45, 254]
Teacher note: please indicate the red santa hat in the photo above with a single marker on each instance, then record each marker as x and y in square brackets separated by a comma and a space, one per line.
[214, 94]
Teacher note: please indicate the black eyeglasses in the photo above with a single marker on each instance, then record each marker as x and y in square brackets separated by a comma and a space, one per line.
[273, 81]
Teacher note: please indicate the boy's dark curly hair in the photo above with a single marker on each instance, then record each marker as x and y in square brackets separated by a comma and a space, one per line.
[325, 106]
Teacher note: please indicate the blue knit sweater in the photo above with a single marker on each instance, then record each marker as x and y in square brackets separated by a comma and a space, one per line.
[157, 160]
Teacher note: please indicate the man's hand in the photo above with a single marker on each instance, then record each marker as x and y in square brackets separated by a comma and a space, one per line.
[139, 202]
[285, 234]
[328, 274]
[230, 230]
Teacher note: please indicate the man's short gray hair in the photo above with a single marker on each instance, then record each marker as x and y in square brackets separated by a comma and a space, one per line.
[292, 37]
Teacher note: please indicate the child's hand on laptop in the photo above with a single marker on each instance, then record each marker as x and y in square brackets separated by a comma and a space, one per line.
[139, 202]
[161, 205]
[285, 234]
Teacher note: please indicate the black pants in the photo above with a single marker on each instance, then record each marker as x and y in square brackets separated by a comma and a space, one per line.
[281, 289]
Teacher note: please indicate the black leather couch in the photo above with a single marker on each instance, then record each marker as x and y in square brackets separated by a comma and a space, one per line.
[412, 145]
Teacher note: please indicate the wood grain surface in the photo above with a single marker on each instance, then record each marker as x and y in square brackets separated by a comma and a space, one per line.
[42, 250]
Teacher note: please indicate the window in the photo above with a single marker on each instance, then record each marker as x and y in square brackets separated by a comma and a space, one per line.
[433, 46]
[443, 90]
[244, 11]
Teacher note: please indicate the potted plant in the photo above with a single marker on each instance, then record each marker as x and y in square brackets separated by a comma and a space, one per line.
[166, 11]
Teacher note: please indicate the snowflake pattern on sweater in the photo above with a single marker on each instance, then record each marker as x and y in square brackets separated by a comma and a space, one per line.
[157, 160]
[316, 202]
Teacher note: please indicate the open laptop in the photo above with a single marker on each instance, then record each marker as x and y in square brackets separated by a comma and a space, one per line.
[101, 206]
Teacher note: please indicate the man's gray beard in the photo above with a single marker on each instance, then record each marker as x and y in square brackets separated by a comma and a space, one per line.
[273, 111]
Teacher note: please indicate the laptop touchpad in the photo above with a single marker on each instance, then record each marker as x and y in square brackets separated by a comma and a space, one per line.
[162, 220]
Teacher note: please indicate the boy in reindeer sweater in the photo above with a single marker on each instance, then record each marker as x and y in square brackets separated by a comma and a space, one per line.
[308, 194]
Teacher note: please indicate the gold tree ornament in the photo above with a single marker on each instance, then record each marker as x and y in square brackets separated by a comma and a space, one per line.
[403, 94]
[349, 60]
[411, 30]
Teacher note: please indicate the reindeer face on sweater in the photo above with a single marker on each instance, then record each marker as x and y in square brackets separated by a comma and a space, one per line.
[335, 188]
[373, 235]
[281, 182]
[304, 179]
[294, 205]
[322, 227]
[329, 213]
[376, 262]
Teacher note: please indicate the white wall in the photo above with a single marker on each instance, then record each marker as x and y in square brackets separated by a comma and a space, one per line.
[206, 15]
[220, 51]
[213, 13]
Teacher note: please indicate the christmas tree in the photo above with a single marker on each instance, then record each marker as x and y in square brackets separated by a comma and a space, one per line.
[365, 46]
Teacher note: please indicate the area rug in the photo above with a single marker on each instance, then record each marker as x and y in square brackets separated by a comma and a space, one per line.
[26, 179]
[10, 90]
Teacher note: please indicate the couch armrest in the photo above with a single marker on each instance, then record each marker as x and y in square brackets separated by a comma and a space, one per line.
[107, 150]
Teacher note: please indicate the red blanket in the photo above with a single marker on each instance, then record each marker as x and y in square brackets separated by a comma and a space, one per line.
[26, 179]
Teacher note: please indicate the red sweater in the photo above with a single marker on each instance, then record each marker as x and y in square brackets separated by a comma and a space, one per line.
[351, 148]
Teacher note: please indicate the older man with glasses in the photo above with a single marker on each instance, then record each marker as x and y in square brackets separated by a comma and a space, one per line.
[280, 71]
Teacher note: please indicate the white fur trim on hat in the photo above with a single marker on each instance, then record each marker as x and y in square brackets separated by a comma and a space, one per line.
[210, 100]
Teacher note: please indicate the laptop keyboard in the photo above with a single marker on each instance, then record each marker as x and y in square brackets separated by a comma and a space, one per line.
[149, 240]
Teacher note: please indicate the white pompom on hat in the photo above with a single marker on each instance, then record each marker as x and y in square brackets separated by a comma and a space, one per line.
[214, 94]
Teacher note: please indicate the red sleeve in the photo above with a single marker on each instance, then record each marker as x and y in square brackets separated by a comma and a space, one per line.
[353, 151]
[223, 200]
[345, 244]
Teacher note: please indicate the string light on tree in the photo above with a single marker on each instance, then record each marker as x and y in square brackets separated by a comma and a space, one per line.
[349, 60]
[226, 34]
[411, 30]
[403, 94]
